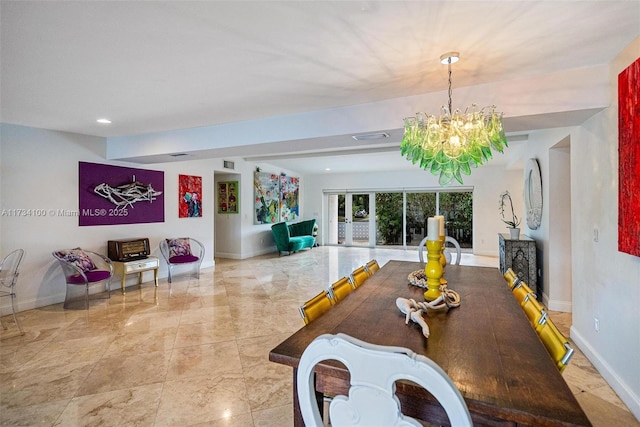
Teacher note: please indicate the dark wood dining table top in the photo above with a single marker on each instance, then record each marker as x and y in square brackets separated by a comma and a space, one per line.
[486, 345]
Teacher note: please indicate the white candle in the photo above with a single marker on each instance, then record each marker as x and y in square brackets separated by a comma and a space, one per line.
[441, 224]
[433, 228]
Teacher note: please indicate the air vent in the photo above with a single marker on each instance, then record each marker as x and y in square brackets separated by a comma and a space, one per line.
[178, 154]
[370, 136]
[228, 164]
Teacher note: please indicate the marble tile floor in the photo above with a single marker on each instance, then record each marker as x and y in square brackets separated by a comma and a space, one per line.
[198, 355]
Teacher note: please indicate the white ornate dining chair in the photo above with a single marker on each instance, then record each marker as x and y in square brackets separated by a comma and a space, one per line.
[447, 250]
[374, 369]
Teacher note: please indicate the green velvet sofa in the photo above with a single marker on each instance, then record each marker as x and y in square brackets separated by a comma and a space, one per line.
[294, 237]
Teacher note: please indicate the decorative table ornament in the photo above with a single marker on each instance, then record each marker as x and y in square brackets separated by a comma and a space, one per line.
[442, 237]
[414, 310]
[433, 269]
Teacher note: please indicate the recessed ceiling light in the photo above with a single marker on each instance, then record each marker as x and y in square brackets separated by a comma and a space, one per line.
[327, 169]
[104, 121]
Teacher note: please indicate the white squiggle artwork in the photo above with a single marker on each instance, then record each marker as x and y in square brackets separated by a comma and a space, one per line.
[127, 194]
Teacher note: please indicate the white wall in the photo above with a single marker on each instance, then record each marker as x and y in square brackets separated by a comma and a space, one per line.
[487, 183]
[253, 239]
[606, 283]
[40, 171]
[552, 262]
[557, 258]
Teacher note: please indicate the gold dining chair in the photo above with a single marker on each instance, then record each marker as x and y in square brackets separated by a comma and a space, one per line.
[340, 289]
[315, 307]
[372, 266]
[511, 277]
[555, 342]
[359, 276]
[520, 291]
[532, 308]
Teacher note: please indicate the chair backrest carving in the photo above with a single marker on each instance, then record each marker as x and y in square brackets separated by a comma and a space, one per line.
[374, 370]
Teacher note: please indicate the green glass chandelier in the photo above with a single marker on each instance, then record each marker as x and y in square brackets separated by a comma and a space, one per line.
[450, 144]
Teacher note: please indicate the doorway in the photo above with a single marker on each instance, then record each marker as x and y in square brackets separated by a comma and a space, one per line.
[351, 219]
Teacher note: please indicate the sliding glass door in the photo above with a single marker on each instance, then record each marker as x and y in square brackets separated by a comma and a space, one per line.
[397, 218]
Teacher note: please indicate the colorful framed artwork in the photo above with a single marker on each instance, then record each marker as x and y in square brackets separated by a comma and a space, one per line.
[228, 197]
[110, 195]
[266, 187]
[629, 159]
[189, 196]
[289, 191]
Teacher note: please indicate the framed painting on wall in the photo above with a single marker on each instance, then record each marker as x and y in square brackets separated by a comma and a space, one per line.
[629, 159]
[228, 197]
[110, 195]
[266, 198]
[289, 190]
[189, 196]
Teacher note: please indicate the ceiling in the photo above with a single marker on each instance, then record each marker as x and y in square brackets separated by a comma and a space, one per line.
[158, 66]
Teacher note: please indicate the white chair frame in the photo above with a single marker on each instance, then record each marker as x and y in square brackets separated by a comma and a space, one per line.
[374, 369]
[447, 253]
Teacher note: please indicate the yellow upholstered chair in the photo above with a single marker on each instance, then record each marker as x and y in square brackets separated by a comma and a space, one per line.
[359, 276]
[340, 289]
[315, 307]
[520, 291]
[372, 266]
[511, 277]
[555, 342]
[532, 308]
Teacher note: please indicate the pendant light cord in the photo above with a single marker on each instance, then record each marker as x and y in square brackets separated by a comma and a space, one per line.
[450, 110]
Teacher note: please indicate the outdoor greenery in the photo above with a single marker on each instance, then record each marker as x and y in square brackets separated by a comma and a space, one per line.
[456, 207]
[359, 203]
[389, 218]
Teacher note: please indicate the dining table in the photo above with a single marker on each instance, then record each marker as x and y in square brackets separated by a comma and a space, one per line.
[486, 346]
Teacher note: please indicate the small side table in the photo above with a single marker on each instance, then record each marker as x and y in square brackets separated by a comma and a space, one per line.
[138, 266]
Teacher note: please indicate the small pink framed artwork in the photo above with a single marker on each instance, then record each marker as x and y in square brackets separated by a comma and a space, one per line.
[189, 196]
[629, 159]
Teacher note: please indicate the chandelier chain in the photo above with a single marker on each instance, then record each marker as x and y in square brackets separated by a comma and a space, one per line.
[450, 110]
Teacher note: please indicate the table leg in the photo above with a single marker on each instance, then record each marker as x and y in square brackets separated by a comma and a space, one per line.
[123, 282]
[140, 278]
[297, 414]
[155, 276]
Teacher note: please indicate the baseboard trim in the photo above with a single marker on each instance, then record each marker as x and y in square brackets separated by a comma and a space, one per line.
[563, 306]
[621, 388]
